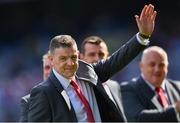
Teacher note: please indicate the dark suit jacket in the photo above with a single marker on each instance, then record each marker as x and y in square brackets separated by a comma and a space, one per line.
[141, 102]
[24, 108]
[49, 101]
[113, 86]
[115, 91]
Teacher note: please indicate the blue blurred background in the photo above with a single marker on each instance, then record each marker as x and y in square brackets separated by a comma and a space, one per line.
[26, 27]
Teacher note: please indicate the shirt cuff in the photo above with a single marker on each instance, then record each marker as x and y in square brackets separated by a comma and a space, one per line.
[141, 40]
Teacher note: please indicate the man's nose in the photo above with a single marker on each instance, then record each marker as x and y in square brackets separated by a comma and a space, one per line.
[157, 68]
[70, 62]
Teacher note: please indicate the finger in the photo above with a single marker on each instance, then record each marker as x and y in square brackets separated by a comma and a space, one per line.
[136, 17]
[154, 16]
[143, 11]
[137, 20]
[148, 9]
[151, 10]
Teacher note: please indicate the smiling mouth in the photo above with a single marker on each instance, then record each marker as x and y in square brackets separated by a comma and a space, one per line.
[157, 75]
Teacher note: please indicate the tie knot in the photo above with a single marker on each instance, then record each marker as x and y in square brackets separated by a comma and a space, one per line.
[74, 84]
[72, 81]
[159, 89]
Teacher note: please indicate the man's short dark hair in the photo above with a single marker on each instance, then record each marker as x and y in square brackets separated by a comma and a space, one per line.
[92, 40]
[61, 41]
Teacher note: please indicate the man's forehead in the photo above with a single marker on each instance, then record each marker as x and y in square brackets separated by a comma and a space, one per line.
[97, 47]
[64, 49]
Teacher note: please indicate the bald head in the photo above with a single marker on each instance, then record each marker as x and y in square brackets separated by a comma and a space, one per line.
[154, 65]
[154, 50]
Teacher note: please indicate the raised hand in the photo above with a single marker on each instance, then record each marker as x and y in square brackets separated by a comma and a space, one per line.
[146, 21]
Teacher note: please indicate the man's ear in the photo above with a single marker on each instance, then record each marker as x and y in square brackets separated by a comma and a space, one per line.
[50, 57]
[140, 66]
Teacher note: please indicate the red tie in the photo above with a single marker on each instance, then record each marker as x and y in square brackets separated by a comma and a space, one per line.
[162, 96]
[84, 101]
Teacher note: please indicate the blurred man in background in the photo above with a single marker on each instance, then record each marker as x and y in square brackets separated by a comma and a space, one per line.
[25, 100]
[152, 97]
[46, 66]
[93, 48]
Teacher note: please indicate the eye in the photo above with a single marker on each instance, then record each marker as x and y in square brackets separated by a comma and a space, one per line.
[101, 55]
[62, 58]
[91, 54]
[152, 64]
[161, 65]
[74, 58]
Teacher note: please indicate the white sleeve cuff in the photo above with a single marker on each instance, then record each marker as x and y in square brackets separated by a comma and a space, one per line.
[142, 40]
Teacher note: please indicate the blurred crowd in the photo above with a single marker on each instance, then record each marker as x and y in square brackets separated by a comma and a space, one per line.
[21, 57]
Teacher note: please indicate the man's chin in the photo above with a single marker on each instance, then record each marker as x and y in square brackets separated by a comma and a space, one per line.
[71, 76]
[157, 81]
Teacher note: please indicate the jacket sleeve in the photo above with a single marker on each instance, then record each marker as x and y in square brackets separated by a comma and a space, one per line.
[118, 60]
[39, 109]
[23, 110]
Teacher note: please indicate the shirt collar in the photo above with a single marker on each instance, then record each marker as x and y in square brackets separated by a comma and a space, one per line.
[64, 82]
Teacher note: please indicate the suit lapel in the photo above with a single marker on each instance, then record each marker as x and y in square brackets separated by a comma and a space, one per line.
[156, 102]
[116, 93]
[64, 95]
[173, 95]
[66, 98]
[108, 110]
[149, 93]
[60, 89]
